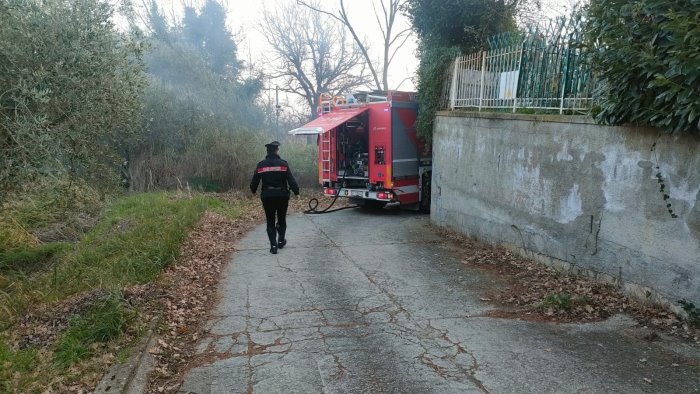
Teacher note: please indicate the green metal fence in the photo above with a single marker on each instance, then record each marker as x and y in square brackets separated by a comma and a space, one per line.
[539, 68]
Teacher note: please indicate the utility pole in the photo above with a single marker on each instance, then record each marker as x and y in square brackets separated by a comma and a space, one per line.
[277, 111]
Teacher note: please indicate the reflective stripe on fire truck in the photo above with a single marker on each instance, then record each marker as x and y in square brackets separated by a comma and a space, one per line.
[387, 182]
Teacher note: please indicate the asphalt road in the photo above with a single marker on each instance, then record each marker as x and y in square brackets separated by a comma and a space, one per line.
[373, 302]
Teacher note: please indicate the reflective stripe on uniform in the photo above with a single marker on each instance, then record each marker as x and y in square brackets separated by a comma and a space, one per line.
[270, 169]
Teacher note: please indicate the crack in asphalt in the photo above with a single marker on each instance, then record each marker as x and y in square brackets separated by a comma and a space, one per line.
[413, 242]
[340, 368]
[468, 372]
[332, 320]
[438, 353]
[249, 366]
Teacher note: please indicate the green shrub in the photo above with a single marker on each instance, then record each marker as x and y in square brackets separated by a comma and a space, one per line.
[434, 64]
[645, 55]
[14, 366]
[26, 260]
[692, 311]
[105, 320]
[138, 237]
[70, 87]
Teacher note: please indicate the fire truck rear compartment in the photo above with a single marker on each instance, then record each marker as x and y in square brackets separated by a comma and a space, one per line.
[352, 159]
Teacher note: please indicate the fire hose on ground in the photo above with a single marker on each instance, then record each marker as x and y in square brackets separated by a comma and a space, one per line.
[313, 203]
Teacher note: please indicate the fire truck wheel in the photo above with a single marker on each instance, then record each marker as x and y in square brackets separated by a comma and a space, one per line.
[425, 195]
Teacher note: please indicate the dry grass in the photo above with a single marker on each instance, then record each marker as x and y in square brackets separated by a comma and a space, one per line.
[83, 309]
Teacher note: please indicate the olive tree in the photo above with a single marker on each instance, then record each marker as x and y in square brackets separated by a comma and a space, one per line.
[70, 90]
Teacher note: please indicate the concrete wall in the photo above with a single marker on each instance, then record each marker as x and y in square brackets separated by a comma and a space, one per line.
[575, 195]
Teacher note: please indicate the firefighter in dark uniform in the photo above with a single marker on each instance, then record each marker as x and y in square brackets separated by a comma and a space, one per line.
[277, 180]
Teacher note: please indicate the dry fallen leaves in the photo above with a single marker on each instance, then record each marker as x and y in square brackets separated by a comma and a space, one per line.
[529, 284]
[190, 285]
[190, 291]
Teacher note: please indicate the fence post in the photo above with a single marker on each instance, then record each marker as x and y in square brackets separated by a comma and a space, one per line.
[517, 78]
[483, 71]
[453, 85]
[564, 77]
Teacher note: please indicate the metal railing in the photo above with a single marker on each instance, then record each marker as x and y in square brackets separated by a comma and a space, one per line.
[539, 69]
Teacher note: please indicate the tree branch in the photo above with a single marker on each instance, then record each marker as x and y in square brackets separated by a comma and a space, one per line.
[379, 22]
[398, 47]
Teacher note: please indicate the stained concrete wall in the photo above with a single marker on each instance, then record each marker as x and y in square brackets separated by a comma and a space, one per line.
[575, 195]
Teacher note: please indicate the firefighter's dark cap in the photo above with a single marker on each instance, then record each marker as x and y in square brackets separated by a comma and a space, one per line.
[276, 144]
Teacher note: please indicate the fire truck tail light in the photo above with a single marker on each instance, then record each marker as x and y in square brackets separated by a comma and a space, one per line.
[330, 192]
[384, 196]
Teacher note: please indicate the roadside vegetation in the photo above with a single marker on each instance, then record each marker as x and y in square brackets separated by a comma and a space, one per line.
[131, 244]
[99, 125]
[642, 54]
[67, 309]
[645, 55]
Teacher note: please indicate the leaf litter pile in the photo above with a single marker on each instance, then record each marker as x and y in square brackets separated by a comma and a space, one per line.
[190, 286]
[538, 293]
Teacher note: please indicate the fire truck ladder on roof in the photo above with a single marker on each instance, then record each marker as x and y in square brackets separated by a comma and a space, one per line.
[326, 103]
[326, 164]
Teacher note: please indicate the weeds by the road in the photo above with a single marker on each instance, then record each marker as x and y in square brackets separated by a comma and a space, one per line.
[27, 260]
[105, 320]
[68, 310]
[15, 366]
[563, 301]
[49, 212]
[135, 240]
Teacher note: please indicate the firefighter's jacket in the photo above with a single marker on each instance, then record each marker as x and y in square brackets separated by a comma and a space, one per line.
[277, 178]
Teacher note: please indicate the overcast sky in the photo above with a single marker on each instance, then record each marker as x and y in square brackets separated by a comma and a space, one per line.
[244, 17]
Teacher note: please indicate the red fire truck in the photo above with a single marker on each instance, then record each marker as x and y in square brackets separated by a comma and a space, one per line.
[368, 150]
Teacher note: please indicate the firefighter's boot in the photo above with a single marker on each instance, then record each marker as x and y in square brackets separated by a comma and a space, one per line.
[280, 239]
[271, 234]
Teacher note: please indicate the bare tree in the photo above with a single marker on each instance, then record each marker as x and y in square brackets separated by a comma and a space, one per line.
[393, 41]
[312, 54]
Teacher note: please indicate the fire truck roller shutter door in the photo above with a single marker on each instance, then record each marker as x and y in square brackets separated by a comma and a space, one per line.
[404, 143]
